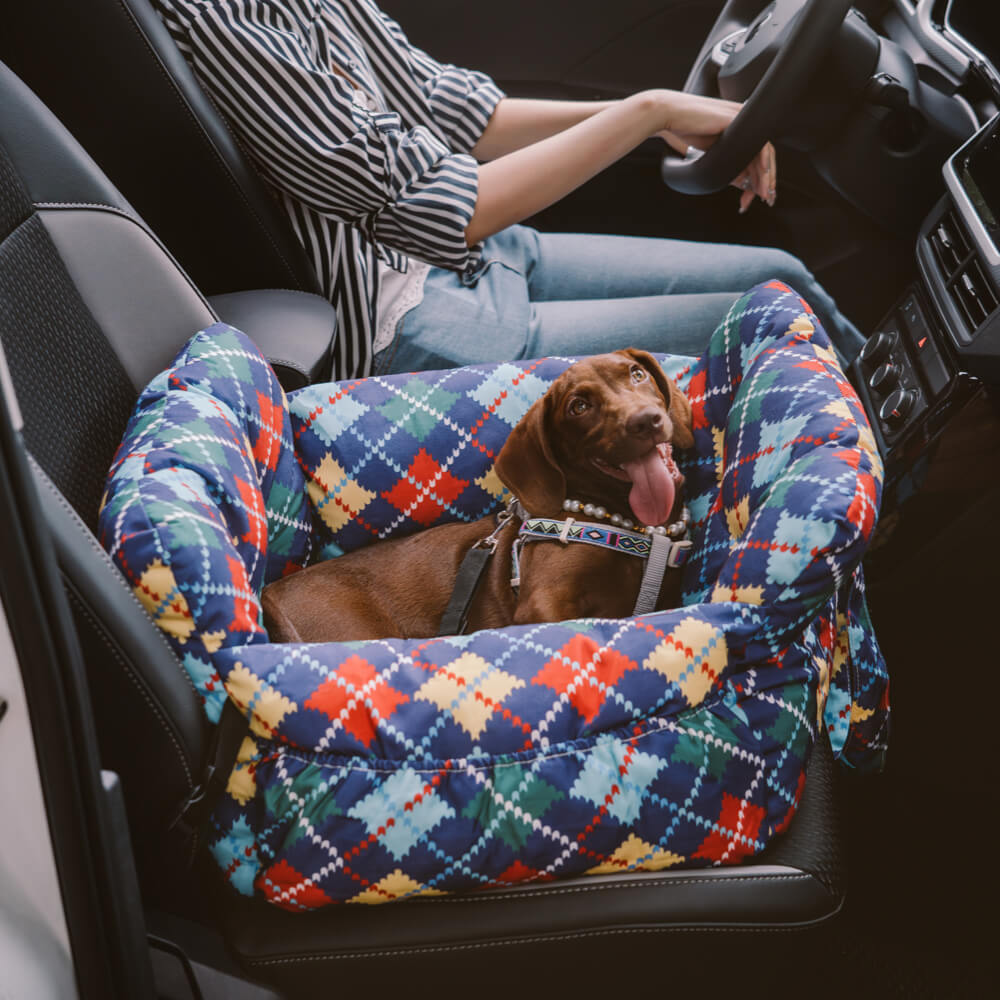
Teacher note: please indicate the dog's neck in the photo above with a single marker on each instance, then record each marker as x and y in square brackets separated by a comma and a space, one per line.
[610, 493]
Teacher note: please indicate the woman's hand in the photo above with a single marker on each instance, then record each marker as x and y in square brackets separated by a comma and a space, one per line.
[536, 154]
[698, 122]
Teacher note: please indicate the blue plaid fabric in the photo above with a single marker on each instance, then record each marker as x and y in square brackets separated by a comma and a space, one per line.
[383, 770]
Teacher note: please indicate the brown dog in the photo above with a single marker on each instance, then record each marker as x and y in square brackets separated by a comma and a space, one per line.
[602, 434]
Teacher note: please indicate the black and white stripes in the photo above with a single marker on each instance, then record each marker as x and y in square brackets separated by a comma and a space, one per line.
[364, 137]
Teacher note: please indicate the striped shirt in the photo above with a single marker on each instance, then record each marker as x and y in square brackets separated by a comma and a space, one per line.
[364, 138]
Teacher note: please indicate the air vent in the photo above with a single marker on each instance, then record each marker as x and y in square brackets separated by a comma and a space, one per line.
[950, 245]
[973, 294]
[964, 278]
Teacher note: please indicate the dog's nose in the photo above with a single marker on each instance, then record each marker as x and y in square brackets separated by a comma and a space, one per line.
[644, 423]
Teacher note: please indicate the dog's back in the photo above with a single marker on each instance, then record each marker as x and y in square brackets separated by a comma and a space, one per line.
[398, 588]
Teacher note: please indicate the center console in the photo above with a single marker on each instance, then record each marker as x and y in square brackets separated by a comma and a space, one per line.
[940, 344]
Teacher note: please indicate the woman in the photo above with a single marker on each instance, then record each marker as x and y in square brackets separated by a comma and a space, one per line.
[405, 180]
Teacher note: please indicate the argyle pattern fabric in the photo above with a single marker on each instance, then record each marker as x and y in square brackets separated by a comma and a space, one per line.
[376, 771]
[206, 502]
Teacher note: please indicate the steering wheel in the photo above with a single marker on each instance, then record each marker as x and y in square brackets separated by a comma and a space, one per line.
[791, 35]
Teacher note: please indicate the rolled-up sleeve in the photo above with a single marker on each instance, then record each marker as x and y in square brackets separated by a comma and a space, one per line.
[461, 100]
[313, 136]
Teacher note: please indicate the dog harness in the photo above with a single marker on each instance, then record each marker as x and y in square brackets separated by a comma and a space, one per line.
[662, 548]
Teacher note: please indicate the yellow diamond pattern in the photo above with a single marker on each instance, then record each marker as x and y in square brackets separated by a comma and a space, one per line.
[635, 855]
[687, 659]
[242, 784]
[802, 324]
[743, 595]
[838, 408]
[394, 885]
[738, 517]
[269, 707]
[337, 498]
[491, 484]
[822, 687]
[859, 714]
[469, 690]
[719, 453]
[158, 585]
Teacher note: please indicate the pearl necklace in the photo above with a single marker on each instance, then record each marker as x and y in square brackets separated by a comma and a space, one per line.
[675, 531]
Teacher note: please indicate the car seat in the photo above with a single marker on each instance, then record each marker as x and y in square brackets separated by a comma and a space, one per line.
[78, 342]
[111, 73]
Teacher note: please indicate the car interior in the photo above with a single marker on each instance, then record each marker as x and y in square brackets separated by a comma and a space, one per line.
[131, 217]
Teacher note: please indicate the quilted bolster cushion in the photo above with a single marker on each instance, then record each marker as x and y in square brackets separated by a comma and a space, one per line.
[382, 770]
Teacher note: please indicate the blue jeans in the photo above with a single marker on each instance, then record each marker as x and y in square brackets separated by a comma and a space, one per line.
[565, 294]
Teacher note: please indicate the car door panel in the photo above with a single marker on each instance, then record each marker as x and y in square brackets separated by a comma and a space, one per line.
[560, 47]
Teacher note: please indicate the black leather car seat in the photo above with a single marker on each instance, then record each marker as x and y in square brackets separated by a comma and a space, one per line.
[80, 338]
[111, 73]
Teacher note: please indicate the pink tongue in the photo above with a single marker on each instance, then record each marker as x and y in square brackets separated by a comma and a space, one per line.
[652, 496]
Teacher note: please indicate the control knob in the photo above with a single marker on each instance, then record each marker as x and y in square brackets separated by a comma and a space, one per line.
[877, 347]
[897, 407]
[884, 379]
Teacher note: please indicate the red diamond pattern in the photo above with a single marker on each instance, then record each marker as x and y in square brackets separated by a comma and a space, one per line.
[736, 815]
[281, 877]
[572, 668]
[428, 487]
[267, 448]
[344, 695]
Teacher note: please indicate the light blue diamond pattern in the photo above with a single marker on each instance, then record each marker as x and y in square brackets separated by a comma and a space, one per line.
[337, 418]
[768, 466]
[236, 856]
[802, 533]
[602, 771]
[389, 801]
[519, 397]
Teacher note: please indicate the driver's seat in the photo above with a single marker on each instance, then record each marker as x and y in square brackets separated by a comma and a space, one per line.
[681, 927]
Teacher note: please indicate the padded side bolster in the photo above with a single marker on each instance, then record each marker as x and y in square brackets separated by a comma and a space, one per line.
[143, 302]
[141, 687]
[294, 330]
[52, 164]
[302, 949]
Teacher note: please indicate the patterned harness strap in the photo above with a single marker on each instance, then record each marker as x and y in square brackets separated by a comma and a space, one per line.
[659, 551]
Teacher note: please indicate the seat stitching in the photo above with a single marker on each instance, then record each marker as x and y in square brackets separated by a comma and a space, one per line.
[101, 205]
[294, 365]
[106, 559]
[604, 887]
[537, 939]
[123, 662]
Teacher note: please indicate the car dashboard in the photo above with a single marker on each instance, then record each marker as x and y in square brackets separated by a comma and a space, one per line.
[938, 347]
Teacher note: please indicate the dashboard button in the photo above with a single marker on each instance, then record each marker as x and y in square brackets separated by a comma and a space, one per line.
[878, 346]
[897, 407]
[884, 379]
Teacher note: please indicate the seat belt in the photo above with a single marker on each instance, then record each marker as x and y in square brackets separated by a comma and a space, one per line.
[230, 731]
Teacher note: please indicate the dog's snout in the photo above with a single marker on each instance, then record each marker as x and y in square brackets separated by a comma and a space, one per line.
[645, 422]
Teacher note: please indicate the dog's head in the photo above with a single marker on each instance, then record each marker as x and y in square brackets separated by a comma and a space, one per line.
[602, 433]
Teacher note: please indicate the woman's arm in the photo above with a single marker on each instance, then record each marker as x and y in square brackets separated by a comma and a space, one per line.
[519, 122]
[537, 173]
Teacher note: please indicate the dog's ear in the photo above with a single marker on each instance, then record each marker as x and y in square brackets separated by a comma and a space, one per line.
[526, 465]
[677, 404]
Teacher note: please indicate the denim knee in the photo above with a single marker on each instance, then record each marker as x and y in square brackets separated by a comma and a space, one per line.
[789, 269]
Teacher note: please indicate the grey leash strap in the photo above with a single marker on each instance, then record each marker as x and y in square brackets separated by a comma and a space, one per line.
[652, 574]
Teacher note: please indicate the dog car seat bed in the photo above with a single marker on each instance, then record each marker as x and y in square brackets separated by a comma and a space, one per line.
[376, 771]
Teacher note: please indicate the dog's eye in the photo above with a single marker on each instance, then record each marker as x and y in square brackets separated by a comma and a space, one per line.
[639, 374]
[577, 406]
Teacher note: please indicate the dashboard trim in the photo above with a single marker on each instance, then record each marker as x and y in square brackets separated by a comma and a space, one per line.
[983, 240]
[937, 44]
